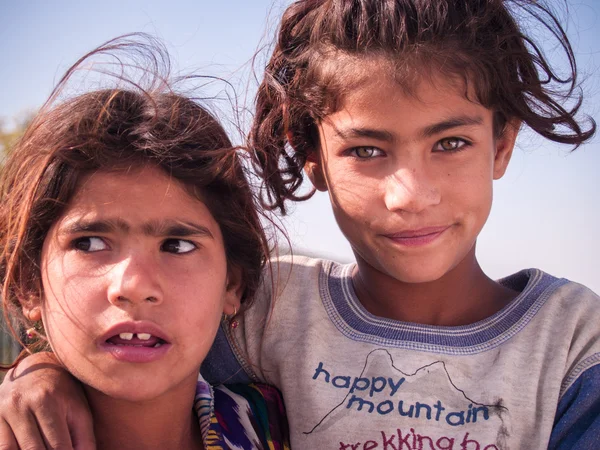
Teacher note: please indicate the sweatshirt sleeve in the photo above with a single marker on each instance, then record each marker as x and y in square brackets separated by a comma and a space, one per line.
[577, 422]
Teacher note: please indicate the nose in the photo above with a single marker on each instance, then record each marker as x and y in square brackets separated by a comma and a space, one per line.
[134, 280]
[411, 189]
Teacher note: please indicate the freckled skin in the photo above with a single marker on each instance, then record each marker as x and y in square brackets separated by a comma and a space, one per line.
[87, 292]
[403, 175]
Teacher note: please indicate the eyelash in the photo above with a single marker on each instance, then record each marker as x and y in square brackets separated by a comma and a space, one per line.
[76, 244]
[462, 144]
[353, 152]
[170, 240]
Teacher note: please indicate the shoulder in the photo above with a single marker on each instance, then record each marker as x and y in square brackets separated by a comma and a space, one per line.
[245, 417]
[573, 301]
[250, 414]
[565, 317]
[294, 276]
[575, 294]
[573, 312]
[295, 264]
[577, 308]
[574, 306]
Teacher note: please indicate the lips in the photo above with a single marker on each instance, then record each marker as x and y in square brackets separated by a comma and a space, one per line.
[417, 237]
[136, 342]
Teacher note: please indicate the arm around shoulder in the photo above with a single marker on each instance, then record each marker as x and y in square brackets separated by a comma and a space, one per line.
[41, 405]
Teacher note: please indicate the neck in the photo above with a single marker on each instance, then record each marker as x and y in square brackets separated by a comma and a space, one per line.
[462, 296]
[164, 423]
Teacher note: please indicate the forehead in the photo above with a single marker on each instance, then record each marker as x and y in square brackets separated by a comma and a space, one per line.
[143, 194]
[382, 101]
[343, 75]
[135, 183]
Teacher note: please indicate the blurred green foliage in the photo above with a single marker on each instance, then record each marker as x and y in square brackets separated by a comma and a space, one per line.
[12, 130]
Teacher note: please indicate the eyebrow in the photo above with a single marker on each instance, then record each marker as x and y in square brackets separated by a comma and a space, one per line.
[380, 135]
[155, 228]
[454, 122]
[428, 131]
[175, 228]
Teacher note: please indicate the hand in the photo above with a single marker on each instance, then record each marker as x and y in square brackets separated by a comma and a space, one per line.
[43, 407]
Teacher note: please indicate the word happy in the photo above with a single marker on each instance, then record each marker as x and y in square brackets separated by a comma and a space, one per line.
[368, 387]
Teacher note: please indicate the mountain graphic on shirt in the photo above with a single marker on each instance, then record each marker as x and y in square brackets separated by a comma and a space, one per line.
[427, 399]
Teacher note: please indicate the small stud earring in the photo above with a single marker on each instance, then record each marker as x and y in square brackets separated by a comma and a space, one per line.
[31, 333]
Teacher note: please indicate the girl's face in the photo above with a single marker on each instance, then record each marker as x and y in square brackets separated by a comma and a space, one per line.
[410, 175]
[135, 282]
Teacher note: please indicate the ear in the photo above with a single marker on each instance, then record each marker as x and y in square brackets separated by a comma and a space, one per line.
[33, 312]
[233, 291]
[314, 169]
[505, 144]
[312, 166]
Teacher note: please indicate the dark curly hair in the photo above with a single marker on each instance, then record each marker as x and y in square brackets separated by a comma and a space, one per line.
[478, 41]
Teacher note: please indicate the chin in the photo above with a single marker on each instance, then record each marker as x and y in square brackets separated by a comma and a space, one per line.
[419, 278]
[129, 391]
[418, 273]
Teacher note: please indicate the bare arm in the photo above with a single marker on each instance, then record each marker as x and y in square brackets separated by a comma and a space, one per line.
[43, 407]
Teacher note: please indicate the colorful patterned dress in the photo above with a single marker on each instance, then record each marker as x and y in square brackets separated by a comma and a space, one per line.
[241, 417]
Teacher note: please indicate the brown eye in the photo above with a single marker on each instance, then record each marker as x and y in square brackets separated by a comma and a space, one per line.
[177, 246]
[366, 152]
[450, 145]
[89, 244]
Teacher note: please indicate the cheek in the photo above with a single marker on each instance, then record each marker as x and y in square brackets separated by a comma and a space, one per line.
[352, 193]
[471, 179]
[469, 196]
[69, 291]
[197, 290]
[199, 301]
[198, 313]
[70, 301]
[66, 322]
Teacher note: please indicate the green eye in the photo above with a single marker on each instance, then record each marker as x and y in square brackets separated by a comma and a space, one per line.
[366, 152]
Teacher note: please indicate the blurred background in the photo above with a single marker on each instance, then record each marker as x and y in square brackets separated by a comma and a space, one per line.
[546, 211]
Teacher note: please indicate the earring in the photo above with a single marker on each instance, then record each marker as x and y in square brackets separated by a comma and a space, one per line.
[233, 323]
[31, 333]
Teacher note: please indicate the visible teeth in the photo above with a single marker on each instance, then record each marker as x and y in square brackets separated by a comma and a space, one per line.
[126, 336]
[144, 336]
[158, 344]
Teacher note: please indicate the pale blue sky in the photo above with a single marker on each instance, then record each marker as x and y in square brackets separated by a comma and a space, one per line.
[546, 212]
